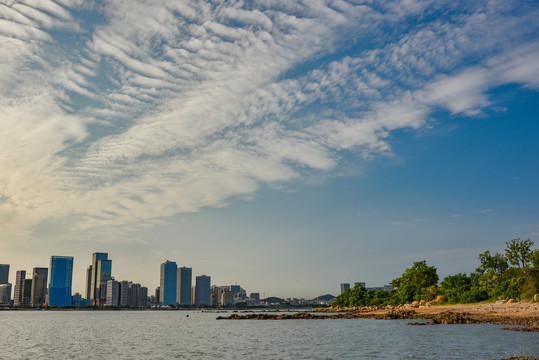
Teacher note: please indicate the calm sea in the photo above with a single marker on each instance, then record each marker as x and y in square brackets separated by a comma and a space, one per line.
[173, 335]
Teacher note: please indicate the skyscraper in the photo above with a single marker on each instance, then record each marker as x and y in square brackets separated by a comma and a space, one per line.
[202, 290]
[4, 273]
[26, 292]
[61, 275]
[5, 294]
[185, 280]
[169, 279]
[113, 293]
[39, 286]
[19, 286]
[89, 282]
[103, 274]
[94, 275]
[5, 287]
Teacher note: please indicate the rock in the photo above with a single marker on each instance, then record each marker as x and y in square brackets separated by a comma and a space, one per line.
[536, 298]
[512, 301]
[422, 302]
[415, 304]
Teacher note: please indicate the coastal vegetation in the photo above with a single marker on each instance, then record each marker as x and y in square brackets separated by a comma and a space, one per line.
[511, 275]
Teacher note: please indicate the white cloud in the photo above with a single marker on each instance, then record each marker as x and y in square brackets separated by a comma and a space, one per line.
[189, 104]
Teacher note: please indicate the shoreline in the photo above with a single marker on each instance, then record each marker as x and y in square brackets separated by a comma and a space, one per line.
[520, 313]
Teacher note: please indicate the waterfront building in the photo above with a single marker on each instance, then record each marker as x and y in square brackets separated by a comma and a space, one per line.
[202, 290]
[89, 281]
[157, 294]
[168, 283]
[215, 295]
[255, 296]
[60, 277]
[19, 284]
[5, 294]
[113, 293]
[227, 298]
[235, 289]
[124, 293]
[344, 287]
[4, 273]
[38, 292]
[103, 274]
[94, 278]
[78, 301]
[143, 298]
[185, 282]
[26, 292]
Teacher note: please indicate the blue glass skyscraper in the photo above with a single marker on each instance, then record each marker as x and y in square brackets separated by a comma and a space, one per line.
[184, 285]
[61, 274]
[169, 277]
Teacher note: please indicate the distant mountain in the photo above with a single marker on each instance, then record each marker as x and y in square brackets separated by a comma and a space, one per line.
[327, 297]
[273, 300]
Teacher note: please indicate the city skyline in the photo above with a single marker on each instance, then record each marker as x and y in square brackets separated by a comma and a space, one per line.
[286, 146]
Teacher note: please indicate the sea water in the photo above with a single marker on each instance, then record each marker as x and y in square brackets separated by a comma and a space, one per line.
[198, 335]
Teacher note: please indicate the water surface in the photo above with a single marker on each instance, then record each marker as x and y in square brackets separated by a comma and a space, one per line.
[173, 335]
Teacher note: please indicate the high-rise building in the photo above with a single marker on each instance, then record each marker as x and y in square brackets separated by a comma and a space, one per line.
[202, 290]
[124, 293]
[235, 289]
[94, 296]
[113, 293]
[26, 292]
[185, 281]
[39, 286]
[89, 272]
[143, 298]
[5, 294]
[169, 281]
[103, 274]
[227, 298]
[19, 286]
[4, 274]
[60, 277]
[344, 287]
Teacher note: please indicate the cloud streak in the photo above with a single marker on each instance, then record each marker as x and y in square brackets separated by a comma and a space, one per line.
[164, 108]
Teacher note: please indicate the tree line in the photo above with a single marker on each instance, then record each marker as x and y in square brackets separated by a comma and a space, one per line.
[511, 275]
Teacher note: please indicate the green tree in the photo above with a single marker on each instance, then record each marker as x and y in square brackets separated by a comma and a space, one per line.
[496, 263]
[519, 252]
[455, 286]
[415, 281]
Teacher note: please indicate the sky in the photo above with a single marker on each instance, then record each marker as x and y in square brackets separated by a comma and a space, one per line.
[286, 146]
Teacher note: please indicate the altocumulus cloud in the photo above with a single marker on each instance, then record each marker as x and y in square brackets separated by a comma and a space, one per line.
[128, 112]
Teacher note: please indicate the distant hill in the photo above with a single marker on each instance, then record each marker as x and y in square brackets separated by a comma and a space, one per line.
[273, 300]
[327, 297]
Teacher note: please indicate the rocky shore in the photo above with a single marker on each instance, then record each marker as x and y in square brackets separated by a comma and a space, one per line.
[517, 313]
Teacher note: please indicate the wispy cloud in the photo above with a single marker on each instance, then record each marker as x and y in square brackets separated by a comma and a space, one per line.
[159, 109]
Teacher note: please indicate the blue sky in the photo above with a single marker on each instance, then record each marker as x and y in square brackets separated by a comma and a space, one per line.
[285, 146]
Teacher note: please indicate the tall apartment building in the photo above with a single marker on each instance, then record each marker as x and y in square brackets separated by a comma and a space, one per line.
[202, 290]
[19, 285]
[60, 278]
[5, 286]
[185, 282]
[168, 283]
[4, 273]
[113, 293]
[38, 292]
[344, 287]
